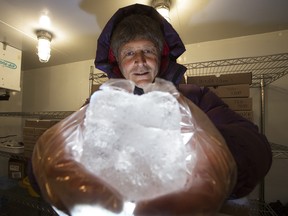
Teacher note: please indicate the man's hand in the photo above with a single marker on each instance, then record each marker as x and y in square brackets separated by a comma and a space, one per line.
[212, 170]
[63, 181]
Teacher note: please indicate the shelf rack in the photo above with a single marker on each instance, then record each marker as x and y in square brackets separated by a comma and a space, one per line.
[264, 70]
[249, 207]
[98, 78]
[279, 151]
[258, 208]
[38, 115]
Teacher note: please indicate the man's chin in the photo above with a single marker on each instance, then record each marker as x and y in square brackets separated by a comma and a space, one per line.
[142, 84]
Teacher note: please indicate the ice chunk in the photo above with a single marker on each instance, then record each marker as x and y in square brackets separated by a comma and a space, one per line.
[134, 143]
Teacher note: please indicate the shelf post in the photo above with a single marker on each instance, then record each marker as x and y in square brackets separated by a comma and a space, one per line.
[262, 130]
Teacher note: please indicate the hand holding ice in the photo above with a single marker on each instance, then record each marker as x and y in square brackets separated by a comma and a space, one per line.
[134, 143]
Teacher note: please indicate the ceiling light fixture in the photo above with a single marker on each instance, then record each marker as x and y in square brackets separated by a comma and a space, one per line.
[44, 45]
[44, 21]
[163, 7]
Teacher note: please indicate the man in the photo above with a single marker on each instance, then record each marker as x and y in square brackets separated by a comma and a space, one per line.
[249, 148]
[139, 45]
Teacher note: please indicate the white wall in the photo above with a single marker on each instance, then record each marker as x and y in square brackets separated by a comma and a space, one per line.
[248, 46]
[58, 88]
[276, 121]
[277, 132]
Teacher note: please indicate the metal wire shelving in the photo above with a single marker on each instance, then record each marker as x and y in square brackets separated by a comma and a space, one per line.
[279, 151]
[267, 68]
[38, 115]
[264, 70]
[248, 208]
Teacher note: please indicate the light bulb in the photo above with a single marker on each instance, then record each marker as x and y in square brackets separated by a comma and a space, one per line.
[44, 49]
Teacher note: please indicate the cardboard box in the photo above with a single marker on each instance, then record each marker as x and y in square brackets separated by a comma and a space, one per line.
[246, 114]
[95, 87]
[29, 142]
[36, 123]
[32, 130]
[28, 153]
[16, 169]
[225, 79]
[239, 103]
[28, 131]
[39, 131]
[29, 146]
[242, 90]
[27, 138]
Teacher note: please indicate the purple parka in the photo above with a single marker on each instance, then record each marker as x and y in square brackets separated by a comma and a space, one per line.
[249, 148]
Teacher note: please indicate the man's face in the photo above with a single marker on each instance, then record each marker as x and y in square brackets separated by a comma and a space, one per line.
[139, 61]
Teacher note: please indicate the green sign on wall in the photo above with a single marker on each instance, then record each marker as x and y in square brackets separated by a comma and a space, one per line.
[8, 64]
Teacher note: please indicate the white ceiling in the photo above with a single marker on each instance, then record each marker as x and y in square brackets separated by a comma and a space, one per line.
[76, 24]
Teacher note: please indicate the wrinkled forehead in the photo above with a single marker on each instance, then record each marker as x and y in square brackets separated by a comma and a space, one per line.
[138, 44]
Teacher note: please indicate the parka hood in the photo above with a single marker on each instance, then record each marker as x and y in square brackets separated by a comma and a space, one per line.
[173, 47]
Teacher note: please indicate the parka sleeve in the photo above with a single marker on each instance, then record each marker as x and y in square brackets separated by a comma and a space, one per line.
[250, 149]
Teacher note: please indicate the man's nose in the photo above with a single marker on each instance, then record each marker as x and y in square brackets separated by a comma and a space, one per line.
[140, 57]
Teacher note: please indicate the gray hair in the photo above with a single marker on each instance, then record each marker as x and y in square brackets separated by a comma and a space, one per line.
[137, 26]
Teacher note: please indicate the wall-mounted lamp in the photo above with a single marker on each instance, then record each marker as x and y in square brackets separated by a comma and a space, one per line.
[163, 7]
[44, 45]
